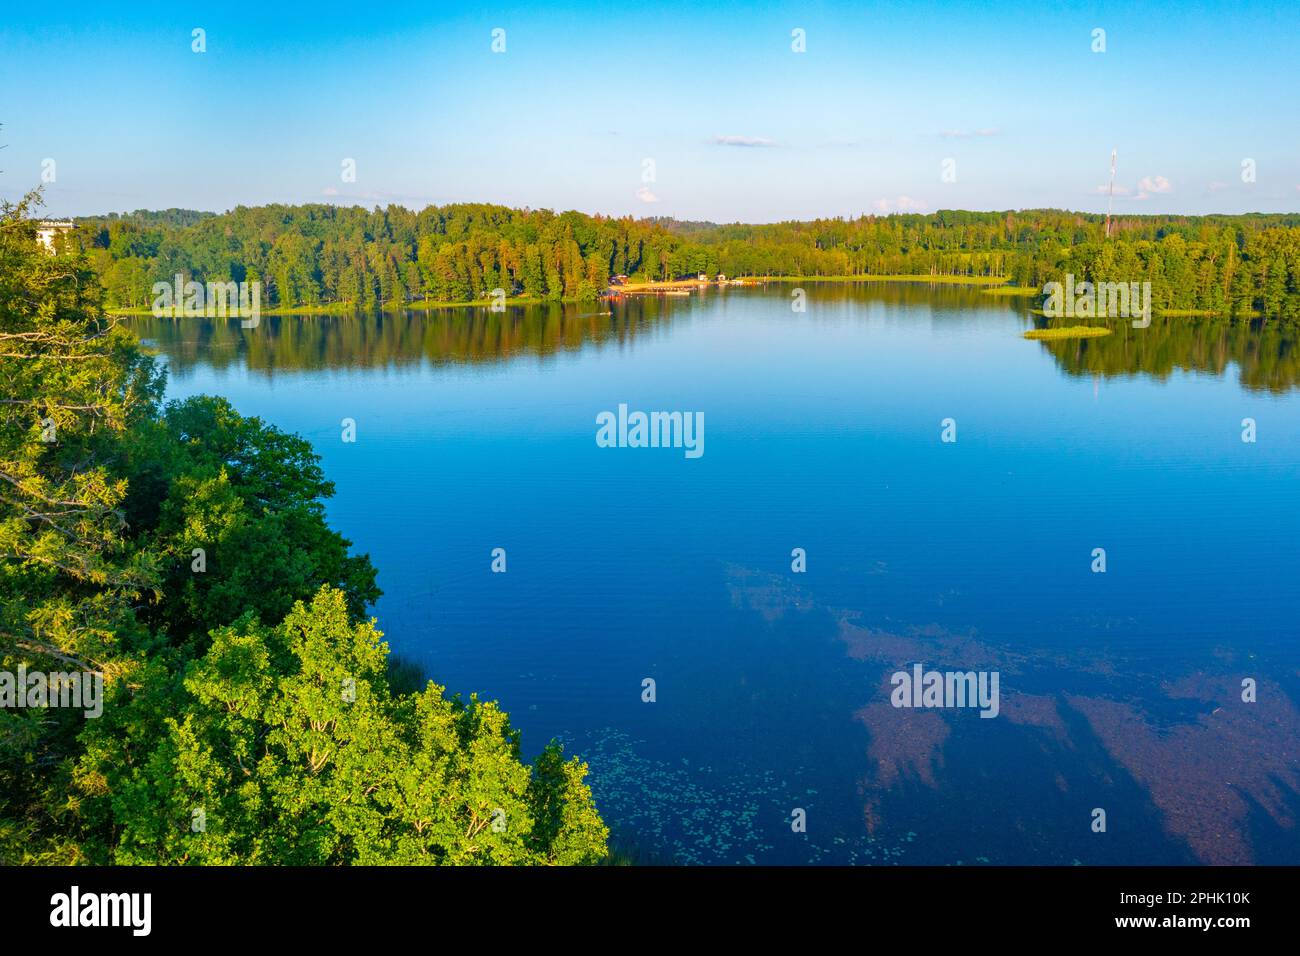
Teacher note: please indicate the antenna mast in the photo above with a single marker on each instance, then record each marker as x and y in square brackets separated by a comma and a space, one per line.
[1110, 200]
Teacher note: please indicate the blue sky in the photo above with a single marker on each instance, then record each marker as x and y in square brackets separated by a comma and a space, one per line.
[738, 125]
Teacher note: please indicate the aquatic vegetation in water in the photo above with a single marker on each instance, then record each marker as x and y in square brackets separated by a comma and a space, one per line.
[693, 813]
[1068, 332]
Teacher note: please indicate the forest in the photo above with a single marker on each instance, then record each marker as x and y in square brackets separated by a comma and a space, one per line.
[251, 712]
[315, 256]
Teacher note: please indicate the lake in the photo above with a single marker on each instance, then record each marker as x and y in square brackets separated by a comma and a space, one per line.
[773, 735]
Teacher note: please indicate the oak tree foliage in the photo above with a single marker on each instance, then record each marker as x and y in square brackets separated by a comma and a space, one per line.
[248, 714]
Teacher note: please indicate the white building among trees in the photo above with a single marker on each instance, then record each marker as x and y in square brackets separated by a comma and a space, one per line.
[48, 229]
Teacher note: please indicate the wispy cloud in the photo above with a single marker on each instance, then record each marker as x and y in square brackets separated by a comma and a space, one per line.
[1147, 187]
[378, 196]
[970, 133]
[645, 195]
[742, 141]
[900, 204]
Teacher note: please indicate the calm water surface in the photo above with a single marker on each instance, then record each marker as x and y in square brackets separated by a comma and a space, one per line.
[1120, 691]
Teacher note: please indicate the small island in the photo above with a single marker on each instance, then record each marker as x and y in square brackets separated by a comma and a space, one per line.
[1068, 332]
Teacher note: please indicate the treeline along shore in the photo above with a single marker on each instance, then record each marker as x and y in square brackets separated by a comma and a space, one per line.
[332, 258]
[174, 558]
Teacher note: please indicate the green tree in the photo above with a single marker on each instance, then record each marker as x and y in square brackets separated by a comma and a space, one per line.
[73, 382]
[291, 744]
[222, 739]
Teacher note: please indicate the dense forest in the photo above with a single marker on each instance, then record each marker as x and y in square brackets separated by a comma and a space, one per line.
[251, 713]
[315, 255]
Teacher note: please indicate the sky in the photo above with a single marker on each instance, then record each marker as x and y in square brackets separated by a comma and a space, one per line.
[700, 111]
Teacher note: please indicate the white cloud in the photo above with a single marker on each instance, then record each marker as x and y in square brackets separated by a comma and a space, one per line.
[1147, 187]
[645, 195]
[1153, 184]
[899, 204]
[742, 141]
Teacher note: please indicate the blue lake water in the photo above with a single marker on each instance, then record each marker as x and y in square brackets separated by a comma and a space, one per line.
[1120, 691]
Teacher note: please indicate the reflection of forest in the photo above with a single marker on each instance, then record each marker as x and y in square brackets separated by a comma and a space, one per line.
[291, 343]
[1264, 352]
[477, 334]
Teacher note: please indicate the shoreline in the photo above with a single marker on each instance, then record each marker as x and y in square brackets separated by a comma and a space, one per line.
[988, 285]
[350, 308]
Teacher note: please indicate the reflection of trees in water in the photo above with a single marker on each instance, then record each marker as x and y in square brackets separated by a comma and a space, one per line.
[1265, 352]
[476, 334]
[468, 335]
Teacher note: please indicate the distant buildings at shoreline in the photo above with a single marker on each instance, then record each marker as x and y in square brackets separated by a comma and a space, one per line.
[48, 229]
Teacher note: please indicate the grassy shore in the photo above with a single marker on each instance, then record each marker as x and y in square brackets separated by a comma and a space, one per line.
[511, 300]
[1069, 332]
[330, 308]
[637, 287]
[934, 279]
[1016, 290]
[350, 308]
[992, 284]
[1181, 314]
[690, 284]
[989, 285]
[1200, 313]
